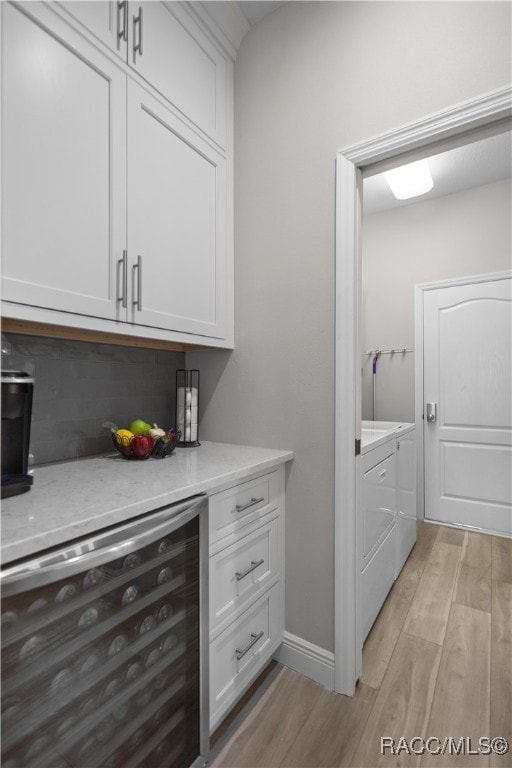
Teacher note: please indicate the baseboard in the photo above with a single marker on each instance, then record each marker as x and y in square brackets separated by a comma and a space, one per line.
[307, 659]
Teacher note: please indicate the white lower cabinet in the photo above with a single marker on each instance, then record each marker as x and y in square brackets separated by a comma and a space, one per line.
[242, 571]
[405, 497]
[240, 652]
[378, 530]
[248, 503]
[387, 529]
[246, 585]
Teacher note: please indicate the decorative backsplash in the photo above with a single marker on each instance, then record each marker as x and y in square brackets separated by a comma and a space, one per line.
[79, 385]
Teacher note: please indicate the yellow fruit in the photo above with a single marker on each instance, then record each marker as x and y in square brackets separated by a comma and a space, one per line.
[123, 437]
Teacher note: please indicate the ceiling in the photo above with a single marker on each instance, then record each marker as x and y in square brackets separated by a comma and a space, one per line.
[472, 165]
[255, 10]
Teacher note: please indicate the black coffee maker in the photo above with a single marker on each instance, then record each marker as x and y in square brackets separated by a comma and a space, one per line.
[17, 392]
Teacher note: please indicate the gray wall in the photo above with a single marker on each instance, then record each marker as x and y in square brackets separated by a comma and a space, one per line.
[79, 385]
[467, 233]
[312, 78]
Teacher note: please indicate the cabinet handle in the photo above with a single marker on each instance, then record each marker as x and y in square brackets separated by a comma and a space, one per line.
[138, 301]
[254, 639]
[137, 21]
[122, 34]
[254, 564]
[124, 280]
[251, 503]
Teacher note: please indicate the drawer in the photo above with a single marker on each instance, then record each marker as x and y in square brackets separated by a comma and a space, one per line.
[379, 504]
[242, 570]
[236, 507]
[241, 651]
[376, 581]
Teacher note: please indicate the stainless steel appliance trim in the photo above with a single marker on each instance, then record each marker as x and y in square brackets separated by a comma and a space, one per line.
[204, 633]
[144, 531]
[10, 377]
[99, 549]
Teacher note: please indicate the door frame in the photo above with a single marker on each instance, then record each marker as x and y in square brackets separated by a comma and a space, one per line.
[419, 397]
[469, 120]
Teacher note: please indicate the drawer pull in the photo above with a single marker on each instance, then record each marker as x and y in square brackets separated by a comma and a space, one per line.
[251, 503]
[254, 639]
[254, 564]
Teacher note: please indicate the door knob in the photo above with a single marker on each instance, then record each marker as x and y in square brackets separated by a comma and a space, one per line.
[431, 412]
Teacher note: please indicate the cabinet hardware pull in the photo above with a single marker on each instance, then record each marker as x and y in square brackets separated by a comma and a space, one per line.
[124, 280]
[251, 503]
[254, 639]
[138, 301]
[137, 21]
[122, 34]
[254, 564]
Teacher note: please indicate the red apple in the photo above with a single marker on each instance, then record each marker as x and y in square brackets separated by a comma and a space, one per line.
[142, 445]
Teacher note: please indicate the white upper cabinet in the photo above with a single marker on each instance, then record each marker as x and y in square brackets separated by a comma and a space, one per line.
[106, 19]
[63, 167]
[176, 221]
[160, 42]
[181, 63]
[116, 171]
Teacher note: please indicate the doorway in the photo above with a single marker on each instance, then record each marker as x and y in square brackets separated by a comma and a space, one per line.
[448, 128]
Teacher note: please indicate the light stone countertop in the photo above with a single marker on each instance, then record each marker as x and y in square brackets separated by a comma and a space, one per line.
[74, 499]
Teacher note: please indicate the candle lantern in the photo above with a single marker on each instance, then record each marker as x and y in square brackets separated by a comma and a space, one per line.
[187, 408]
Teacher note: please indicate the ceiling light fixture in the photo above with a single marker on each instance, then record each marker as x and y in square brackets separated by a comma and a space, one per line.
[410, 180]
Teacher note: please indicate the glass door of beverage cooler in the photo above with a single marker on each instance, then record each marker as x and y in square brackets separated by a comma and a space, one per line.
[104, 650]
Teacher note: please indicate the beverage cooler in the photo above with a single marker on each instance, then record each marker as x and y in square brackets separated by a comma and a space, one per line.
[104, 648]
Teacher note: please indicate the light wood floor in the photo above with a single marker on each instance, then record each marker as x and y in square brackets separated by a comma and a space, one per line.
[437, 663]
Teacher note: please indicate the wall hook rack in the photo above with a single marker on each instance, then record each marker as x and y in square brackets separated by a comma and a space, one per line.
[401, 350]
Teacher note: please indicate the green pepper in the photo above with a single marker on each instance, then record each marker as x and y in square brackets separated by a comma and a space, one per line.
[163, 447]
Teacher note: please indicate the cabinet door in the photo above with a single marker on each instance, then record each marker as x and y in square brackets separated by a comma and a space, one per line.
[107, 19]
[63, 166]
[179, 61]
[406, 474]
[176, 222]
[379, 501]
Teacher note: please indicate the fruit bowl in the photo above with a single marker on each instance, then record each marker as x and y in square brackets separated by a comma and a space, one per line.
[155, 449]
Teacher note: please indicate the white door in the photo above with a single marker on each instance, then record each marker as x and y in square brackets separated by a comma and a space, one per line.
[467, 379]
[63, 166]
[176, 221]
